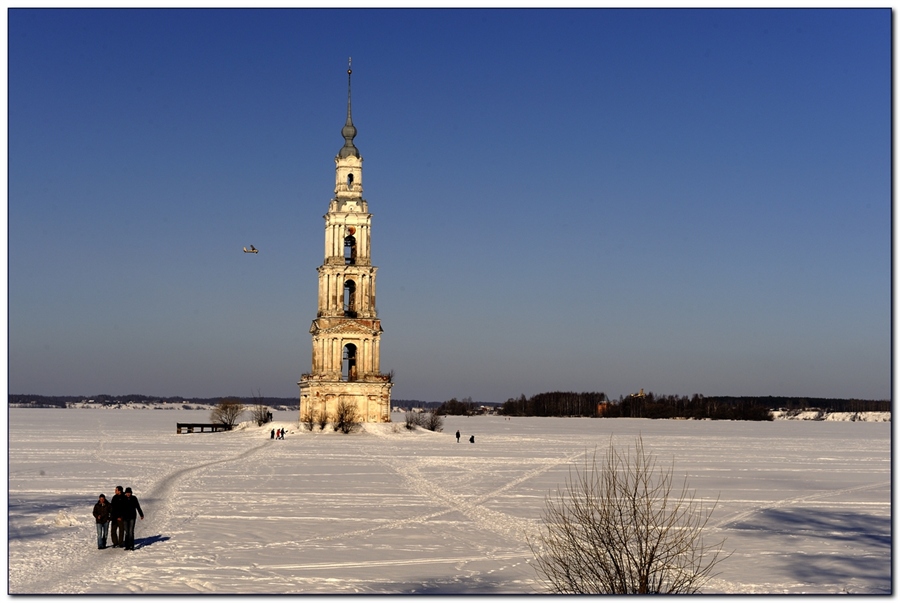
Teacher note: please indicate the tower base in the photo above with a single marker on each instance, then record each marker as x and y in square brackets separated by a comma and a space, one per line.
[372, 398]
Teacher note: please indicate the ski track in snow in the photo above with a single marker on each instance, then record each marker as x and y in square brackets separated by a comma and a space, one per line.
[73, 568]
[501, 523]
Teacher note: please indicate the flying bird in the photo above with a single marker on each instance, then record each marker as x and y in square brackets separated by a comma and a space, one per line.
[251, 250]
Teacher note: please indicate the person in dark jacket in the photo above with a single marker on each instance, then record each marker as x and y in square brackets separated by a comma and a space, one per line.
[101, 514]
[115, 516]
[131, 509]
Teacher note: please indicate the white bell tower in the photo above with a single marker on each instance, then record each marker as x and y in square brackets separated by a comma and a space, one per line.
[346, 334]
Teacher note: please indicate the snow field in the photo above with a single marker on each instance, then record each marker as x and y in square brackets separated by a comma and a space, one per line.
[804, 505]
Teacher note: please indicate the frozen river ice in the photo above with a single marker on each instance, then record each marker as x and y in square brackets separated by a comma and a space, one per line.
[805, 506]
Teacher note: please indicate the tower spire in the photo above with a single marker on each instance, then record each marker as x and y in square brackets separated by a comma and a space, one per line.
[349, 74]
[349, 130]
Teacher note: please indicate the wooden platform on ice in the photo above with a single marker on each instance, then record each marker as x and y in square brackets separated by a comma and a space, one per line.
[190, 427]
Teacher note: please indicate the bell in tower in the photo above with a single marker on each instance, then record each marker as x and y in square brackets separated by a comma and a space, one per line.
[346, 333]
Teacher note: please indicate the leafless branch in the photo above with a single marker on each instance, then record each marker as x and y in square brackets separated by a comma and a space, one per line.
[619, 526]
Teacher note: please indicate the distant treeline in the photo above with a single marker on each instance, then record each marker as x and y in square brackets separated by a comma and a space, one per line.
[555, 404]
[652, 406]
[450, 407]
[466, 407]
[550, 404]
[107, 400]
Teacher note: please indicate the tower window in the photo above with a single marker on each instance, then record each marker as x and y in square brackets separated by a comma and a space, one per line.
[350, 181]
[348, 368]
[349, 250]
[350, 299]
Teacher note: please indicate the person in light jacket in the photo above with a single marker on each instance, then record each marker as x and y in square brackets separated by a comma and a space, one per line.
[131, 509]
[101, 514]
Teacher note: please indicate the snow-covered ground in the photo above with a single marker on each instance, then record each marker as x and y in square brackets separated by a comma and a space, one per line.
[804, 505]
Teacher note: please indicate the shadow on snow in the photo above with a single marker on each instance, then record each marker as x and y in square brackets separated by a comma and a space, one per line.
[140, 543]
[860, 531]
[460, 586]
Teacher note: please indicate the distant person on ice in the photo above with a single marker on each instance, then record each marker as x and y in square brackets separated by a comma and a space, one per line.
[116, 512]
[272, 437]
[457, 436]
[471, 439]
[101, 514]
[131, 508]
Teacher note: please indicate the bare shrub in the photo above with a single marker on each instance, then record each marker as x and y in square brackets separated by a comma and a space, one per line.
[427, 420]
[412, 419]
[433, 422]
[227, 412]
[621, 528]
[346, 416]
[260, 414]
[308, 419]
[259, 411]
[322, 419]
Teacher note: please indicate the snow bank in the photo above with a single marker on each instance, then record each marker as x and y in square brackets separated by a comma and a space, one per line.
[822, 415]
[61, 520]
[186, 405]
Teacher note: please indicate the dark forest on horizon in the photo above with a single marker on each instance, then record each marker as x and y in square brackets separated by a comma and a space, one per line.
[548, 404]
[697, 406]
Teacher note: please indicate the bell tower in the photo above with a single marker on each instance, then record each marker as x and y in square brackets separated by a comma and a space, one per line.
[346, 334]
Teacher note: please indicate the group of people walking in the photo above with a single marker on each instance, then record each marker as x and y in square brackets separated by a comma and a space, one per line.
[122, 512]
[277, 434]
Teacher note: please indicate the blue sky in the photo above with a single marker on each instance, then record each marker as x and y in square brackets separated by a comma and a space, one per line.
[682, 200]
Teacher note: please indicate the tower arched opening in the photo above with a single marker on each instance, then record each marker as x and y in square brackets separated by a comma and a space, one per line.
[349, 250]
[350, 298]
[348, 363]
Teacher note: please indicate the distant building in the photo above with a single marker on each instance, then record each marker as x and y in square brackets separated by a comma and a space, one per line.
[346, 334]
